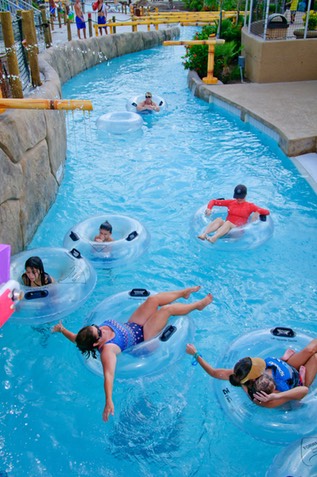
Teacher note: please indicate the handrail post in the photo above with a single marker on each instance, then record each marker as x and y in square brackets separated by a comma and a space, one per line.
[13, 66]
[114, 28]
[69, 30]
[90, 25]
[59, 16]
[46, 28]
[210, 78]
[31, 45]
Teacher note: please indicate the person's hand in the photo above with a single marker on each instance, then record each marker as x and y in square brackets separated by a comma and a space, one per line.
[207, 212]
[261, 396]
[108, 410]
[57, 328]
[190, 349]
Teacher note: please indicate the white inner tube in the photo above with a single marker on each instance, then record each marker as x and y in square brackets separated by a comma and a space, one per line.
[74, 278]
[120, 122]
[279, 425]
[248, 236]
[131, 240]
[148, 357]
[297, 459]
[158, 100]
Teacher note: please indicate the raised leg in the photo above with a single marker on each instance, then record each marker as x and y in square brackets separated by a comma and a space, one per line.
[151, 305]
[158, 320]
[301, 357]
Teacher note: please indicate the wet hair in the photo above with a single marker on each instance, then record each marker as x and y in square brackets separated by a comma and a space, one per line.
[240, 371]
[263, 383]
[85, 341]
[106, 226]
[35, 263]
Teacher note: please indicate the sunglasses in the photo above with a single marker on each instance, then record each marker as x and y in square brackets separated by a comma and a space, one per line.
[98, 331]
[148, 97]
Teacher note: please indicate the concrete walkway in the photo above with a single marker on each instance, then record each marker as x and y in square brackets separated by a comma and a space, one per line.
[286, 111]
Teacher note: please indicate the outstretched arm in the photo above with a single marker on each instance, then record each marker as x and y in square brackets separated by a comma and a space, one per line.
[109, 361]
[59, 328]
[218, 373]
[277, 399]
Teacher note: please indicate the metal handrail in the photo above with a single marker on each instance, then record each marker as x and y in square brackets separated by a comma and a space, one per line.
[14, 6]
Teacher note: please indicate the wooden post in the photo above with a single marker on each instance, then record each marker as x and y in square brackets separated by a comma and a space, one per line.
[59, 16]
[210, 79]
[69, 30]
[114, 28]
[90, 25]
[65, 13]
[14, 78]
[46, 27]
[30, 43]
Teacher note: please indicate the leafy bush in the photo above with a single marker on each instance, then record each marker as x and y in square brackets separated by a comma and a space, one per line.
[226, 55]
[194, 5]
[312, 20]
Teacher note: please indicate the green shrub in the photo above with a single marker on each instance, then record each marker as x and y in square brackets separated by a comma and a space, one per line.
[226, 55]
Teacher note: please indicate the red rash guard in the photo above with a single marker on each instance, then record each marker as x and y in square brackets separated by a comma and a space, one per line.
[238, 213]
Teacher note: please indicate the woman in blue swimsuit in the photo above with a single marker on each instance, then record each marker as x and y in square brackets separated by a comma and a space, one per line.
[269, 382]
[111, 337]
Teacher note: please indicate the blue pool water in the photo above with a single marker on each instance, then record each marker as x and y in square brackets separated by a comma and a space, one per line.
[170, 424]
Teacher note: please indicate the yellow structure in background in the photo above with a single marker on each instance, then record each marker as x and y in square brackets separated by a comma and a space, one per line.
[48, 104]
[210, 78]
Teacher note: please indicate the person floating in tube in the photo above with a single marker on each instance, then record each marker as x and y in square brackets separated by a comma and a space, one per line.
[105, 233]
[239, 211]
[269, 382]
[148, 104]
[111, 338]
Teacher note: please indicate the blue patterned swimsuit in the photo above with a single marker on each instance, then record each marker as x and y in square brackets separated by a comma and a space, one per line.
[285, 376]
[126, 334]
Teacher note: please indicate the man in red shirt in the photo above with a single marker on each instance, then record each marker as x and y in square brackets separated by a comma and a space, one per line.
[239, 211]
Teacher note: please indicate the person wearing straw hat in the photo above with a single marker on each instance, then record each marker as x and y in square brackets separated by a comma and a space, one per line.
[269, 382]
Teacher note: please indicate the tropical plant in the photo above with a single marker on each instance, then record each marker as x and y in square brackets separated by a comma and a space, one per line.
[226, 55]
[312, 20]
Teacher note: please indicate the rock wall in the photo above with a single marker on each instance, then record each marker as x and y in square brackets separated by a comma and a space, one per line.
[33, 143]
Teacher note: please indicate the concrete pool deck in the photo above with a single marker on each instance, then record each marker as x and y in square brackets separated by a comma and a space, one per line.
[285, 111]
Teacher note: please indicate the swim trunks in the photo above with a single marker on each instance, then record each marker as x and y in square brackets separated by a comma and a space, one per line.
[80, 23]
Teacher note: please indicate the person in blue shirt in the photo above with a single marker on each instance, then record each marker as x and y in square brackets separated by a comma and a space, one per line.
[269, 382]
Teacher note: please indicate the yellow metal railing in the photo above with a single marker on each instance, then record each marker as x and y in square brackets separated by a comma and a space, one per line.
[210, 78]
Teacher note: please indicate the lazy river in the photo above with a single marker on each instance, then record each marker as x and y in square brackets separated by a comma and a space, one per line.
[171, 423]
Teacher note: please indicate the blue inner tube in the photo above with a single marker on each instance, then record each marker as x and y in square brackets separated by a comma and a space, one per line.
[249, 236]
[131, 240]
[133, 102]
[283, 424]
[149, 357]
[75, 279]
[297, 459]
[120, 122]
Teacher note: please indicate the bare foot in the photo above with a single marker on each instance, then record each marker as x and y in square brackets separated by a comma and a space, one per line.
[288, 353]
[302, 374]
[210, 239]
[204, 302]
[189, 291]
[202, 237]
